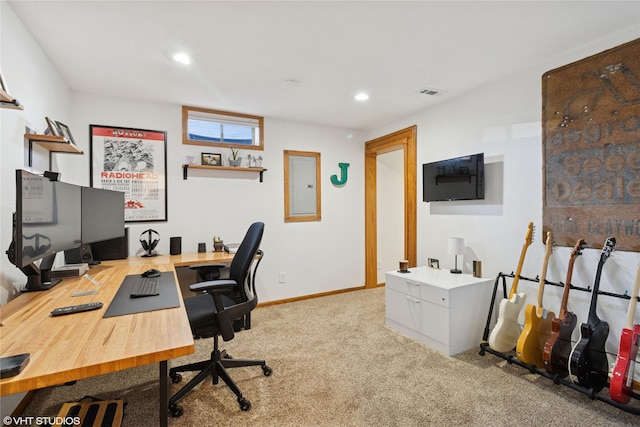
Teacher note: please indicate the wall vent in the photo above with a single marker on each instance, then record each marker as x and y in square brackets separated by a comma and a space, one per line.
[431, 91]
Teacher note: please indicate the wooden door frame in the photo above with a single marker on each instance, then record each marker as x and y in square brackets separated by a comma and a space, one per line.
[401, 140]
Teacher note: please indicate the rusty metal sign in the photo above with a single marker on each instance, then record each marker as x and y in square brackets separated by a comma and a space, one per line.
[590, 142]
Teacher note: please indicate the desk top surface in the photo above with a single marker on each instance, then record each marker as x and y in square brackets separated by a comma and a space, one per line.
[81, 345]
[437, 277]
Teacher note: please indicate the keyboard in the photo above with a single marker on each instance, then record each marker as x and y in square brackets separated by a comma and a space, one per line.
[145, 287]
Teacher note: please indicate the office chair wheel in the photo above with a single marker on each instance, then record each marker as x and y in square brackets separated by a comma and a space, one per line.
[267, 371]
[175, 378]
[176, 410]
[245, 405]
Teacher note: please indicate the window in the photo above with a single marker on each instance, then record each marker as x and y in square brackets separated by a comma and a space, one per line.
[201, 126]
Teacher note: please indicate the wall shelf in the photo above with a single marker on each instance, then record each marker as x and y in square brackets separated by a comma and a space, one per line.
[55, 144]
[186, 167]
[7, 101]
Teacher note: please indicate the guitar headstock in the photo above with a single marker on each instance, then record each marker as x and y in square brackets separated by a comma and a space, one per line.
[578, 248]
[608, 247]
[549, 244]
[529, 236]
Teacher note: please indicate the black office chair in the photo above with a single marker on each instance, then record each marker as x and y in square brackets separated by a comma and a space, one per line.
[212, 313]
[209, 271]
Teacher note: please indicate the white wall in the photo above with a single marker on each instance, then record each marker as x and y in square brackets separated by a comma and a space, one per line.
[225, 203]
[503, 120]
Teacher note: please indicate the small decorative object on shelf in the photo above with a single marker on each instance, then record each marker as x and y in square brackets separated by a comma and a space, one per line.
[253, 161]
[211, 159]
[433, 263]
[234, 160]
[218, 244]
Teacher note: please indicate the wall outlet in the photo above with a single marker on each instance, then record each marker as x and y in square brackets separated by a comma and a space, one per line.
[282, 277]
[379, 264]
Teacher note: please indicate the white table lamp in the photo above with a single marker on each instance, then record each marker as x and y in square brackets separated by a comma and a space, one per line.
[456, 247]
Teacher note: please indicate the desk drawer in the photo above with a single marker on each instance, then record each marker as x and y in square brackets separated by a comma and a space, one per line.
[433, 294]
[428, 319]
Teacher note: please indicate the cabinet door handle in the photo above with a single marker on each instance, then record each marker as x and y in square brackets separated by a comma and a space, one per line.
[413, 300]
[411, 282]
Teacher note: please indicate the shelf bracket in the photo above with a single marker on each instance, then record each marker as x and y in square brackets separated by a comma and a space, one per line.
[185, 171]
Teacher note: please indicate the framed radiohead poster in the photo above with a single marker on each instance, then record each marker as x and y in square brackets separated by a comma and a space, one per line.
[133, 161]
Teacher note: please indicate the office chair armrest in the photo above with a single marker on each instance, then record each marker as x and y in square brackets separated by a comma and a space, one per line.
[217, 286]
[206, 266]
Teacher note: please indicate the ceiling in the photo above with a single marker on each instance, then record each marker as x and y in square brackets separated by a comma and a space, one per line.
[305, 60]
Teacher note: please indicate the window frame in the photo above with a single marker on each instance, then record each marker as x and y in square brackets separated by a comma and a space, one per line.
[258, 145]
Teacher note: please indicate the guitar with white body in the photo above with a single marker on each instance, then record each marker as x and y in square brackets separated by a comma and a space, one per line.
[505, 334]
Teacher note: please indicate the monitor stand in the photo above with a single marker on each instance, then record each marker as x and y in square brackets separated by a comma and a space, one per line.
[39, 278]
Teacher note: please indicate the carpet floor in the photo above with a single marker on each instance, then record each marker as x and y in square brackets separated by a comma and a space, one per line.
[335, 363]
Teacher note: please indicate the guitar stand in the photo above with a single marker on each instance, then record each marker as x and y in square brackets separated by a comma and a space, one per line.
[557, 379]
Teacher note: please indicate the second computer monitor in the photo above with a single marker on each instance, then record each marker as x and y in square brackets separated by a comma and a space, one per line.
[102, 214]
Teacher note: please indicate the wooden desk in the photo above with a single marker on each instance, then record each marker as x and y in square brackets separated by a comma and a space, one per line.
[82, 345]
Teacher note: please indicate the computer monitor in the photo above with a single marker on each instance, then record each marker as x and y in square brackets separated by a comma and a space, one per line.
[102, 214]
[47, 221]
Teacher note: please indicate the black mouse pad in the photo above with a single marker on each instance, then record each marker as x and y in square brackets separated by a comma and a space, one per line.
[123, 304]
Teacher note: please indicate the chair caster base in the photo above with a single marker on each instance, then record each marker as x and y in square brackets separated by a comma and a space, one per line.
[176, 410]
[267, 371]
[244, 403]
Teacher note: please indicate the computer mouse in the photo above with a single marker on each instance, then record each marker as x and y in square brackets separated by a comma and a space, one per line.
[151, 273]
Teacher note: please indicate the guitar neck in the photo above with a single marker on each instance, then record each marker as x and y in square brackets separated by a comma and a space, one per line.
[567, 287]
[632, 304]
[593, 318]
[527, 241]
[543, 273]
[609, 245]
[516, 279]
[577, 251]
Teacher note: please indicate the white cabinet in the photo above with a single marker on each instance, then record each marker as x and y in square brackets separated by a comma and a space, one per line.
[444, 311]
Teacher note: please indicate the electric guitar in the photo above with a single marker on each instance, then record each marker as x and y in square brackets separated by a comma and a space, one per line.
[555, 354]
[588, 363]
[504, 335]
[621, 386]
[537, 321]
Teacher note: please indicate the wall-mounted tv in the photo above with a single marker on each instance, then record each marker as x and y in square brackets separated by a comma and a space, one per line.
[461, 178]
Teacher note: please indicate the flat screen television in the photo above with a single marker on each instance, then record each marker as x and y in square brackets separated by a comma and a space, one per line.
[460, 178]
[47, 221]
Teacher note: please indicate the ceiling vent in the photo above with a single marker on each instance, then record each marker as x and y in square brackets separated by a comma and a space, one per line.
[431, 91]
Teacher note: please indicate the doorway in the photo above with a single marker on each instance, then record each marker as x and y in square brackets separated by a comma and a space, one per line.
[404, 140]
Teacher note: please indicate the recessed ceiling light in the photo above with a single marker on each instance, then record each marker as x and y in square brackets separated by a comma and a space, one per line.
[361, 96]
[182, 58]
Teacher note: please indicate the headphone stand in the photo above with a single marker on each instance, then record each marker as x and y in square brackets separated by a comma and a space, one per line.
[149, 243]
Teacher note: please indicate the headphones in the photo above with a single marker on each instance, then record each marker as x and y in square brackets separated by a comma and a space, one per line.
[148, 242]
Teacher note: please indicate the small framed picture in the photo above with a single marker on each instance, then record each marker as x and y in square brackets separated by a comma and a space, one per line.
[212, 159]
[53, 127]
[433, 263]
[66, 132]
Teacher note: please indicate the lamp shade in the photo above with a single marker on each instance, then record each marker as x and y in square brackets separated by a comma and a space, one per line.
[456, 246]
